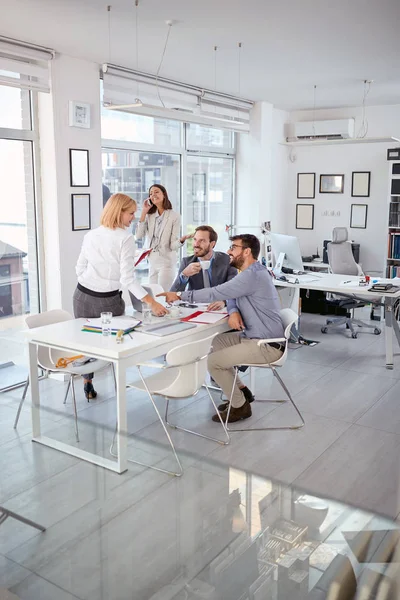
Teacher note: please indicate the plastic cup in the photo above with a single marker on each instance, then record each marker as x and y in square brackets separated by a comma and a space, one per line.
[106, 323]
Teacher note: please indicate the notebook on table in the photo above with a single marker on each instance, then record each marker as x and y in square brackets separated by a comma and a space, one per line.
[117, 323]
[205, 316]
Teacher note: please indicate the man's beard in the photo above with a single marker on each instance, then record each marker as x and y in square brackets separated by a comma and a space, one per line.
[199, 252]
[237, 262]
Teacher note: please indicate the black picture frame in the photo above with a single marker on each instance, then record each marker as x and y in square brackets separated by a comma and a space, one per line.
[308, 180]
[81, 219]
[360, 189]
[393, 154]
[199, 211]
[79, 167]
[304, 216]
[354, 219]
[326, 184]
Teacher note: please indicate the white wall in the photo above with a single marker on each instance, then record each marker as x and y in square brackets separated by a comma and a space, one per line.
[382, 121]
[72, 79]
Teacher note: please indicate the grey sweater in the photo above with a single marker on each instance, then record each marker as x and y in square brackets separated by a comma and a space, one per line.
[253, 294]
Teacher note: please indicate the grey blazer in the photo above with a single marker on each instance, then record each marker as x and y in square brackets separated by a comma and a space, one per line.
[170, 231]
[221, 272]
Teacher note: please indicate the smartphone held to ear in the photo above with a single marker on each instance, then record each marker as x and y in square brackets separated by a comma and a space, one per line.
[149, 202]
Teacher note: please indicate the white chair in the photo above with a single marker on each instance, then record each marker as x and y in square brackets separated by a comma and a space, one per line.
[342, 262]
[48, 357]
[182, 375]
[288, 317]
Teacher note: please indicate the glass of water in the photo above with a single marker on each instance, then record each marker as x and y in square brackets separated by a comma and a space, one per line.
[146, 314]
[106, 323]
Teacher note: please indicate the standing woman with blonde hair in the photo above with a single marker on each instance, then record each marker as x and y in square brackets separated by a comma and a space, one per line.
[106, 263]
[161, 226]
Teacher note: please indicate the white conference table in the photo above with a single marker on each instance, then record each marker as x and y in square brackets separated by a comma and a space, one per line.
[331, 283]
[69, 337]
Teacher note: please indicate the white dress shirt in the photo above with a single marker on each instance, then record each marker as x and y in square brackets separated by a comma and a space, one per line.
[107, 261]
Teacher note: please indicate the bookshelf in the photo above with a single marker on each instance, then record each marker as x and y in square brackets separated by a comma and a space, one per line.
[393, 245]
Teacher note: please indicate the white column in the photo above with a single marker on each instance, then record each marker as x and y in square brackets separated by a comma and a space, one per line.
[78, 80]
[261, 168]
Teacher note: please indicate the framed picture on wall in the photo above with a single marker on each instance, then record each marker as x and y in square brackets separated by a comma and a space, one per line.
[79, 114]
[331, 184]
[304, 216]
[360, 183]
[79, 167]
[80, 210]
[358, 216]
[306, 185]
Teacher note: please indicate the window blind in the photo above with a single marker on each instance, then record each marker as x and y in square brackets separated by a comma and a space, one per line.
[24, 65]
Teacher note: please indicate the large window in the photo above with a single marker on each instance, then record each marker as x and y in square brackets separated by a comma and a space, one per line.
[19, 288]
[116, 125]
[196, 164]
[134, 172]
[209, 195]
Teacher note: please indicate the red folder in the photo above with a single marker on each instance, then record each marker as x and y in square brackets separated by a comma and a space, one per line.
[192, 315]
[144, 255]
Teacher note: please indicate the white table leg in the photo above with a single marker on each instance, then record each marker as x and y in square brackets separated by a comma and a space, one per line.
[396, 329]
[389, 332]
[120, 375]
[34, 385]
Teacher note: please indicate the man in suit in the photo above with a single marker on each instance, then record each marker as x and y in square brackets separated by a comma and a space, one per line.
[192, 277]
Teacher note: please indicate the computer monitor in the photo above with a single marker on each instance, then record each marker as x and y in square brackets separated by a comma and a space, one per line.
[289, 245]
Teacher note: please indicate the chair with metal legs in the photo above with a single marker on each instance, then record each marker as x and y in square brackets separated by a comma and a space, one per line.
[48, 357]
[288, 317]
[182, 376]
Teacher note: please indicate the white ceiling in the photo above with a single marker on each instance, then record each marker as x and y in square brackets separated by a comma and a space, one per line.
[288, 46]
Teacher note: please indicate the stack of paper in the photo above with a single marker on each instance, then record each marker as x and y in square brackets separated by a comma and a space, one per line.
[127, 324]
[205, 317]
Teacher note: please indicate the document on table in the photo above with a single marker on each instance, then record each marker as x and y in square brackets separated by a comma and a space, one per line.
[350, 283]
[205, 317]
[127, 324]
[301, 278]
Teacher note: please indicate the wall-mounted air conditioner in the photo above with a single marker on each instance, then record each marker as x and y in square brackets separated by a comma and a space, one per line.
[337, 129]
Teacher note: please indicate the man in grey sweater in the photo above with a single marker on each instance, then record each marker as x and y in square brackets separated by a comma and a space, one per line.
[253, 307]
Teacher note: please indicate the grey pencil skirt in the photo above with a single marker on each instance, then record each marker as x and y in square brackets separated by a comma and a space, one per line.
[90, 307]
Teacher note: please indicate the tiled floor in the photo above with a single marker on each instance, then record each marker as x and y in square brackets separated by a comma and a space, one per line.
[349, 450]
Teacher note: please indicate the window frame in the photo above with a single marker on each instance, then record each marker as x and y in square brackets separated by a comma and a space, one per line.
[184, 152]
[32, 135]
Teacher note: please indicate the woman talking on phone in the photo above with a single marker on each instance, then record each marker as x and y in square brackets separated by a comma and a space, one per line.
[105, 264]
[161, 226]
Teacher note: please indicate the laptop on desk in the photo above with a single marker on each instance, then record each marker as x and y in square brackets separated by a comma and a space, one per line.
[169, 328]
[136, 303]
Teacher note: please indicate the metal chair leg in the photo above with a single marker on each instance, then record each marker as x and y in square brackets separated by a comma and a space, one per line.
[21, 403]
[66, 393]
[5, 513]
[174, 473]
[75, 411]
[266, 428]
[224, 443]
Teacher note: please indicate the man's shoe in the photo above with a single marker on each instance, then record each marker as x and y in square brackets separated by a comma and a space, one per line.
[89, 390]
[236, 414]
[246, 393]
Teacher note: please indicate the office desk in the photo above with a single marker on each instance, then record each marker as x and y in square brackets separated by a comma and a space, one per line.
[331, 283]
[318, 266]
[67, 336]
